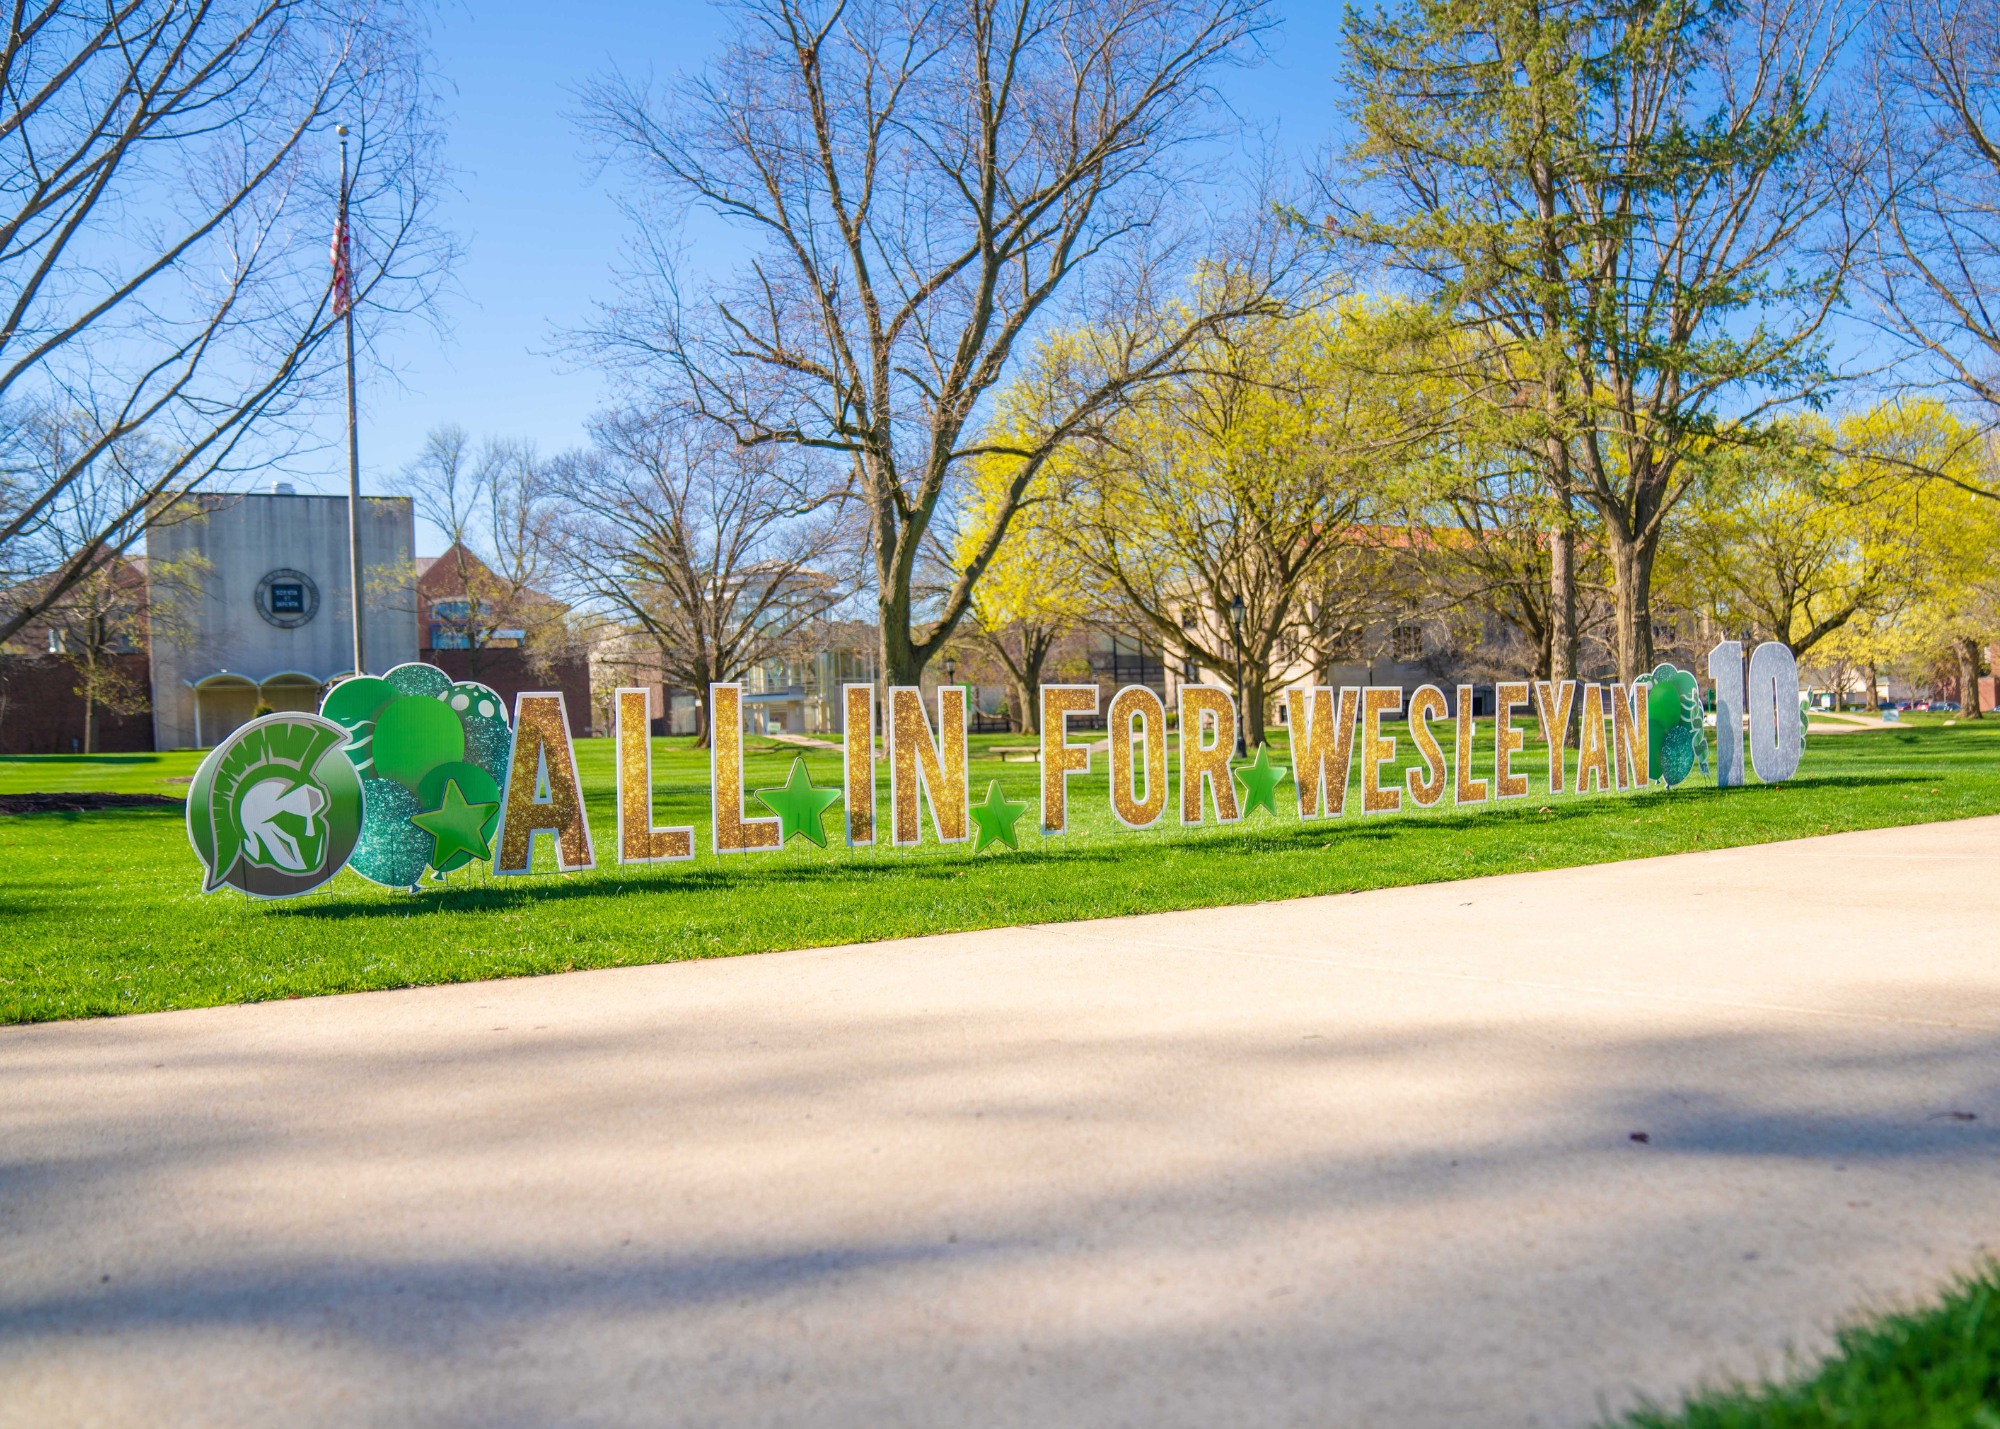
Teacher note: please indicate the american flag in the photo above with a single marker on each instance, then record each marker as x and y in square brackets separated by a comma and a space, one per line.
[343, 271]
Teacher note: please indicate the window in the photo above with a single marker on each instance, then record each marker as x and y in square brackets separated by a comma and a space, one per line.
[1406, 644]
[57, 644]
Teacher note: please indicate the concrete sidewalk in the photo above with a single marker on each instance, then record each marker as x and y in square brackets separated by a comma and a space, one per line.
[1370, 1160]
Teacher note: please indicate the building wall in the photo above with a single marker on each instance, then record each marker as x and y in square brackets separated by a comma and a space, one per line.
[41, 712]
[508, 673]
[223, 663]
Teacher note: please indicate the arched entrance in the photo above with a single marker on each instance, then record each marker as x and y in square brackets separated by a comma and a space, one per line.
[292, 691]
[221, 703]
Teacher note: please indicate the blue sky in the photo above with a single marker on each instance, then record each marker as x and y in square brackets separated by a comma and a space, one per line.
[541, 232]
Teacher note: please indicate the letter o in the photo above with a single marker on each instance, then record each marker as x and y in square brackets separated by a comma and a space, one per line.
[1777, 735]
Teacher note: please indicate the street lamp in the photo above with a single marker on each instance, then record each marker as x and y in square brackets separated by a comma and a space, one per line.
[950, 670]
[1236, 625]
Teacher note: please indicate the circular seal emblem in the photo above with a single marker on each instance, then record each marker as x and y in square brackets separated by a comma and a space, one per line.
[275, 809]
[287, 598]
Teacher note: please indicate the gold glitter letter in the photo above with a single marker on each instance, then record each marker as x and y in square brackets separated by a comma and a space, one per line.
[730, 832]
[1593, 759]
[1426, 705]
[915, 759]
[1507, 740]
[638, 840]
[1554, 715]
[1629, 734]
[858, 764]
[1322, 747]
[1207, 763]
[1060, 758]
[1136, 702]
[1377, 749]
[542, 758]
[1470, 790]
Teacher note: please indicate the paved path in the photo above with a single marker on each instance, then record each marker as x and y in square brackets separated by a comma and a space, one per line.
[1350, 1161]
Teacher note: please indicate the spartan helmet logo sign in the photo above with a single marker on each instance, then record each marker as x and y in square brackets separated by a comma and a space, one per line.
[275, 809]
[281, 825]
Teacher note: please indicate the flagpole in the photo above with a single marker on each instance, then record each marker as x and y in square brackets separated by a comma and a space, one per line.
[353, 431]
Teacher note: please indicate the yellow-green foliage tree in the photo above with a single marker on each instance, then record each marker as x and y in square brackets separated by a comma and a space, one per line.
[1035, 591]
[1820, 537]
[1784, 540]
[1246, 479]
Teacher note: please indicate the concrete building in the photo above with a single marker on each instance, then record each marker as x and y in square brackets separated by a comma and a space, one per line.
[268, 623]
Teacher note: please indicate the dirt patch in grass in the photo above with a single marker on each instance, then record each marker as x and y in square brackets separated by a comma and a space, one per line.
[80, 803]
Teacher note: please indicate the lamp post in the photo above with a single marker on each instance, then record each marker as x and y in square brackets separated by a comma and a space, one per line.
[1236, 626]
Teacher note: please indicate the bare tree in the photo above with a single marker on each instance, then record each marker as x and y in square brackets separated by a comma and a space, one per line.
[495, 504]
[923, 184]
[714, 557]
[1936, 269]
[167, 192]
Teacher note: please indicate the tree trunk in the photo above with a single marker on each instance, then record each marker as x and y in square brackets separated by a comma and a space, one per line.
[1632, 574]
[1252, 712]
[1024, 676]
[1563, 648]
[901, 664]
[700, 715]
[89, 717]
[1026, 713]
[1968, 677]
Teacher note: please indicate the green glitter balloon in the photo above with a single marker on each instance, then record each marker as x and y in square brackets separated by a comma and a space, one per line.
[419, 679]
[413, 735]
[475, 786]
[1677, 754]
[391, 851]
[488, 741]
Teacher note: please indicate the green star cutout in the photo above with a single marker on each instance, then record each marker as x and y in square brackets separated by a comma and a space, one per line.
[456, 825]
[798, 805]
[996, 818]
[1260, 779]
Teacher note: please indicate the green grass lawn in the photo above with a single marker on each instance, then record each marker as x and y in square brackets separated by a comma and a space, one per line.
[102, 911]
[1933, 1368]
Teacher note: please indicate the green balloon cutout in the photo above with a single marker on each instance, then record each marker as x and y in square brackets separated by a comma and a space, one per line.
[1675, 736]
[475, 786]
[392, 850]
[434, 751]
[417, 678]
[353, 705]
[488, 740]
[413, 735]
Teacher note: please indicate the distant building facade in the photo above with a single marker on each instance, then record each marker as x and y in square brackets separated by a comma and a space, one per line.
[269, 624]
[474, 626]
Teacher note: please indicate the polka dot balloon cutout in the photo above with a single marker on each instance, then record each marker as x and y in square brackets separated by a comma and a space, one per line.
[432, 755]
